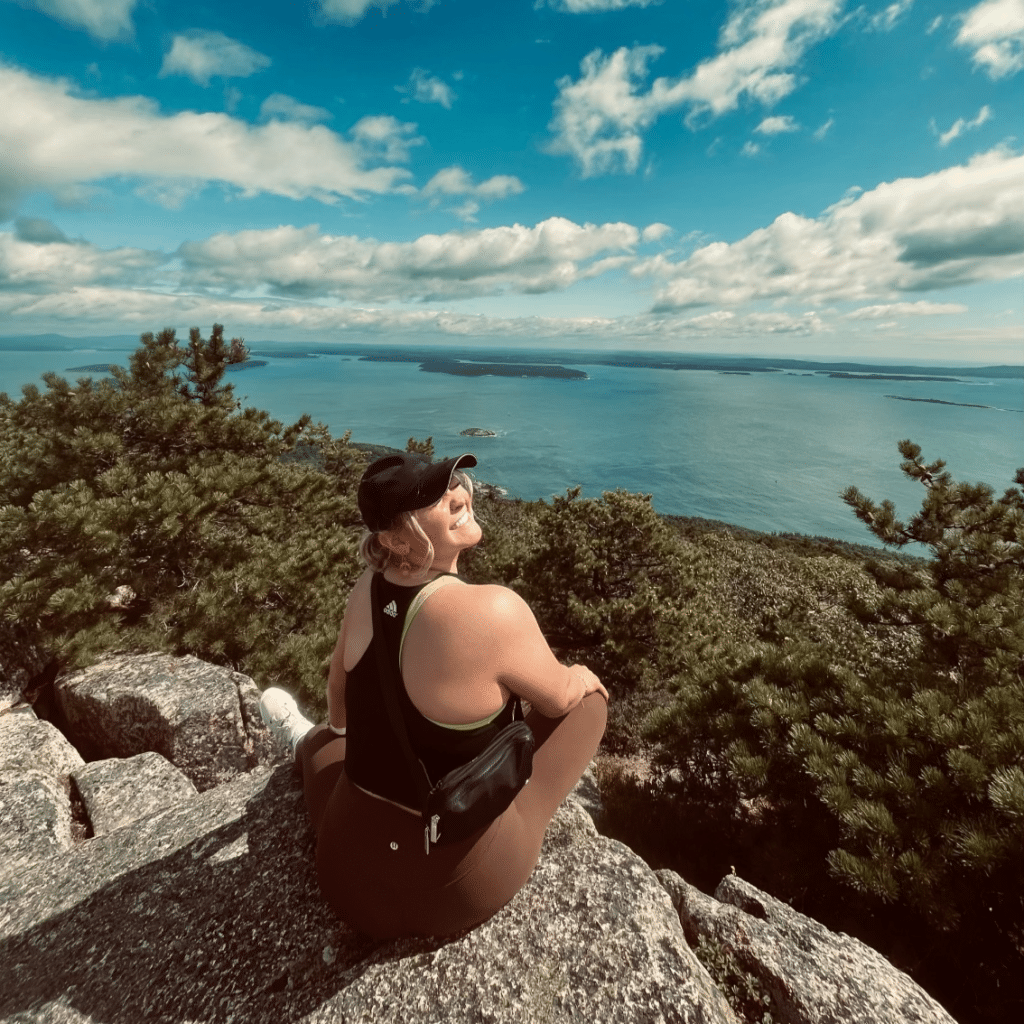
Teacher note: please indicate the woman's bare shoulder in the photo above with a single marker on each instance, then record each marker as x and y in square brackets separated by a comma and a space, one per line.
[490, 601]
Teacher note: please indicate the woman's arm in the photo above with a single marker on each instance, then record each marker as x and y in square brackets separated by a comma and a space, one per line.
[521, 658]
[336, 716]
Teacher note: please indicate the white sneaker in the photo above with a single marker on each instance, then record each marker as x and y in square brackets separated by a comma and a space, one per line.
[282, 717]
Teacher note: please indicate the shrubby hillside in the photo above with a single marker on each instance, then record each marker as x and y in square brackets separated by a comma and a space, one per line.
[844, 726]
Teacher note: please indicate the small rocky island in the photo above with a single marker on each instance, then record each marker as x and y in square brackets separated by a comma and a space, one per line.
[248, 364]
[477, 432]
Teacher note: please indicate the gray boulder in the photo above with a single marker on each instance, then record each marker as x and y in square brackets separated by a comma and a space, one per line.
[35, 819]
[118, 791]
[813, 975]
[203, 718]
[35, 802]
[28, 742]
[210, 911]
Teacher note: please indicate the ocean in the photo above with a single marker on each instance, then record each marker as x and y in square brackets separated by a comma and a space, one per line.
[770, 451]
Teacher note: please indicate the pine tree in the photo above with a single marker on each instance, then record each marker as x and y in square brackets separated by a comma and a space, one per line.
[149, 511]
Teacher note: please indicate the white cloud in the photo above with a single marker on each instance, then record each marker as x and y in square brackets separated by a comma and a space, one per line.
[58, 142]
[348, 12]
[31, 262]
[286, 108]
[655, 232]
[105, 19]
[201, 55]
[821, 132]
[777, 125]
[934, 24]
[960, 126]
[303, 263]
[955, 227]
[887, 19]
[599, 118]
[750, 148]
[454, 181]
[920, 308]
[994, 31]
[386, 137]
[427, 88]
[587, 6]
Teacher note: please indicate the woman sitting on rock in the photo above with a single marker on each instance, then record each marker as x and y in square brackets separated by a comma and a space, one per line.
[465, 653]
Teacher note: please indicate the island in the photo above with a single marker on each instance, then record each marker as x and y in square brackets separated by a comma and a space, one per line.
[939, 401]
[92, 368]
[477, 432]
[248, 364]
[462, 369]
[886, 376]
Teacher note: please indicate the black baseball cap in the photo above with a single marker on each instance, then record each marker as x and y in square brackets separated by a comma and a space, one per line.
[404, 482]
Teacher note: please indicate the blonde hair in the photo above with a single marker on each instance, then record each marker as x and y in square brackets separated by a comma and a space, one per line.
[378, 556]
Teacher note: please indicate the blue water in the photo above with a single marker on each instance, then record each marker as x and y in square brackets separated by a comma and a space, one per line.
[769, 451]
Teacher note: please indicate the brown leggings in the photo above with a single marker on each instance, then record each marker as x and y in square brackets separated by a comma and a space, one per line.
[370, 857]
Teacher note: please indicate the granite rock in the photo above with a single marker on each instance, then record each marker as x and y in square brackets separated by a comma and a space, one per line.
[118, 791]
[35, 819]
[203, 718]
[210, 911]
[28, 742]
[813, 975]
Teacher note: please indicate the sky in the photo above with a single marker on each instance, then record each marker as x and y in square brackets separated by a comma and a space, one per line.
[783, 177]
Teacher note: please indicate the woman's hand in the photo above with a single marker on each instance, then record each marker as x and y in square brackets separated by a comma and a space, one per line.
[591, 683]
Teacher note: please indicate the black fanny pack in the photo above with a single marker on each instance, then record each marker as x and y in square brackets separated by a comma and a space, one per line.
[473, 795]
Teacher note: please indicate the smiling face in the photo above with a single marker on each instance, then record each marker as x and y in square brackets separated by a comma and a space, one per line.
[450, 526]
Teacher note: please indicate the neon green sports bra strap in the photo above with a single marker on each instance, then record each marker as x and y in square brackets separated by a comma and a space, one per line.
[417, 604]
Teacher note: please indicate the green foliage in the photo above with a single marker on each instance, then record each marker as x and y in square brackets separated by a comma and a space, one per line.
[149, 512]
[742, 990]
[421, 448]
[890, 744]
[605, 577]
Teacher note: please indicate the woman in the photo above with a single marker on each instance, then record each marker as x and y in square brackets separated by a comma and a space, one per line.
[465, 653]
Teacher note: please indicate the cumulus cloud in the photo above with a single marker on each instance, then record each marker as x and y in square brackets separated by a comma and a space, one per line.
[920, 308]
[202, 55]
[386, 137]
[599, 119]
[887, 19]
[286, 108]
[655, 232]
[454, 181]
[777, 125]
[57, 141]
[427, 88]
[348, 12]
[587, 6]
[994, 32]
[38, 259]
[750, 148]
[960, 126]
[38, 230]
[104, 19]
[955, 227]
[303, 263]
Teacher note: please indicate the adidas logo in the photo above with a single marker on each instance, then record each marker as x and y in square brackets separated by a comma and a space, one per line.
[391, 609]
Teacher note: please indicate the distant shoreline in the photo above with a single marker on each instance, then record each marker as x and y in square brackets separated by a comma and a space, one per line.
[559, 356]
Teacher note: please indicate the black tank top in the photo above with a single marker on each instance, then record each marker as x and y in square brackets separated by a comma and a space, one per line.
[373, 756]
